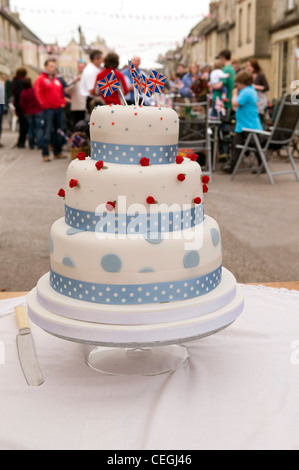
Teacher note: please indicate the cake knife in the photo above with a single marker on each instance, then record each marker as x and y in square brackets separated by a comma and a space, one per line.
[27, 356]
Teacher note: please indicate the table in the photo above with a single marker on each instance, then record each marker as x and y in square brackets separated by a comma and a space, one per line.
[240, 390]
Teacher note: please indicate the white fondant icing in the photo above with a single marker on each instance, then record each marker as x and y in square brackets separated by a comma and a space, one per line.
[166, 258]
[144, 125]
[158, 181]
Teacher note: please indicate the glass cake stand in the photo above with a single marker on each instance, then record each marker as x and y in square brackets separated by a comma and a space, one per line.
[135, 359]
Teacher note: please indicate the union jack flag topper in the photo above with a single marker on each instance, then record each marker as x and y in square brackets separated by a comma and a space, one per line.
[137, 82]
[109, 84]
[133, 71]
[157, 80]
[146, 87]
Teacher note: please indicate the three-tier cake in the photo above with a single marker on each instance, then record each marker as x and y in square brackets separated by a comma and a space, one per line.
[135, 259]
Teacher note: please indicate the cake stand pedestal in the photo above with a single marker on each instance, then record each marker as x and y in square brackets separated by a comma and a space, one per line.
[138, 361]
[135, 359]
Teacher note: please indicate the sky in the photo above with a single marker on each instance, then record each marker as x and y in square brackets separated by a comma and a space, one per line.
[160, 26]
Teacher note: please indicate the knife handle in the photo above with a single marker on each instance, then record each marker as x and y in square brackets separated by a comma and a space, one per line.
[22, 318]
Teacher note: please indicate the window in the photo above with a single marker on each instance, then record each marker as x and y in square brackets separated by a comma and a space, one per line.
[290, 4]
[283, 66]
[249, 9]
[226, 40]
[240, 27]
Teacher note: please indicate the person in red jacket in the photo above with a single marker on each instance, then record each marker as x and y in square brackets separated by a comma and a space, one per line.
[50, 95]
[111, 62]
[33, 111]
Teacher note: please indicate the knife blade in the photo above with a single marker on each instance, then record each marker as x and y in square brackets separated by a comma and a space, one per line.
[26, 351]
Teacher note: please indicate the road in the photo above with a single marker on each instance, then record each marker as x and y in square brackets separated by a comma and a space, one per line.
[259, 222]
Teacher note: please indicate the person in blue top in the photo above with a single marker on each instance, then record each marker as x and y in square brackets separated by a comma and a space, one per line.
[189, 79]
[244, 102]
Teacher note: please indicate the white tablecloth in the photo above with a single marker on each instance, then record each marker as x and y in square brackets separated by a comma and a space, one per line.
[240, 390]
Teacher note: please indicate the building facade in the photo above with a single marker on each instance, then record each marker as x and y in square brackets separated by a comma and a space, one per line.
[10, 40]
[284, 32]
[265, 29]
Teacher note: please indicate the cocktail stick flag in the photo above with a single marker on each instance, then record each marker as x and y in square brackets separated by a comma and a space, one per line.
[110, 85]
[137, 82]
[158, 81]
[133, 71]
[146, 87]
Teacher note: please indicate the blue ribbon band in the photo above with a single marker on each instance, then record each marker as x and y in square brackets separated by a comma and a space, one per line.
[110, 222]
[132, 154]
[135, 294]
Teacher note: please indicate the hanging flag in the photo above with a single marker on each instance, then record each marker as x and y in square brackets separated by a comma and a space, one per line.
[109, 84]
[158, 81]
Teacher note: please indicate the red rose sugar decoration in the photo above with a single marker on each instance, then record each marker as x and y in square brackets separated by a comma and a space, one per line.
[100, 166]
[81, 156]
[205, 189]
[110, 206]
[181, 177]
[74, 184]
[61, 193]
[205, 179]
[179, 160]
[197, 200]
[144, 161]
[151, 200]
[192, 156]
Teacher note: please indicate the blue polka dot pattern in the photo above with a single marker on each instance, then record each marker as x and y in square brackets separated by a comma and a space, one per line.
[67, 261]
[131, 154]
[111, 263]
[136, 294]
[154, 237]
[191, 259]
[127, 224]
[215, 236]
[73, 231]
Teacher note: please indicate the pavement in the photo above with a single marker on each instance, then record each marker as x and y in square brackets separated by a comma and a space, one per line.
[259, 222]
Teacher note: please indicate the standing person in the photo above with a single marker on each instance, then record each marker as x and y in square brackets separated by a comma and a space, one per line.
[244, 101]
[111, 63]
[189, 79]
[89, 76]
[130, 97]
[217, 75]
[16, 88]
[236, 64]
[34, 114]
[225, 60]
[78, 101]
[260, 83]
[50, 95]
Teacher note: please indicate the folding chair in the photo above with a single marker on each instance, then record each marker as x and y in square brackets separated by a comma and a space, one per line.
[194, 130]
[280, 136]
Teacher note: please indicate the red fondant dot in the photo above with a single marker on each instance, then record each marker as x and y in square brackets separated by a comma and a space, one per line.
[93, 123]
[135, 114]
[161, 119]
[113, 123]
